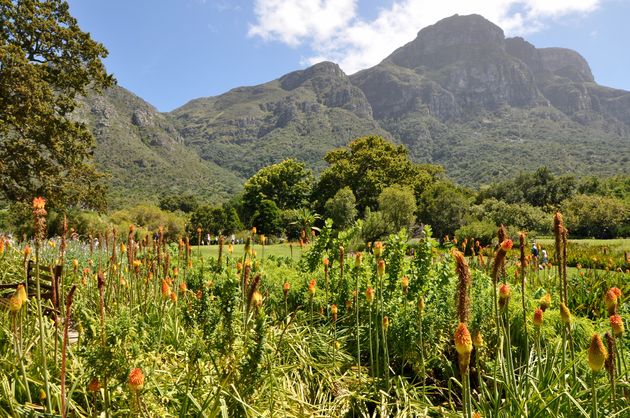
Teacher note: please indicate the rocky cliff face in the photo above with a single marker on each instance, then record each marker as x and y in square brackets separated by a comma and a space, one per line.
[144, 154]
[460, 95]
[300, 115]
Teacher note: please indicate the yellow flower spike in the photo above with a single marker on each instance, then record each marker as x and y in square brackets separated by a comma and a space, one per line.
[545, 302]
[15, 303]
[358, 258]
[378, 249]
[597, 353]
[565, 313]
[477, 339]
[257, 299]
[21, 292]
[385, 323]
[420, 304]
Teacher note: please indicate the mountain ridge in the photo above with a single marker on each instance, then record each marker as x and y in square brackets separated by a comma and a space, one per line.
[460, 94]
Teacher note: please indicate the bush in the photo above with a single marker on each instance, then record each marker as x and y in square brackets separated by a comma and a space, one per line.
[596, 216]
[483, 231]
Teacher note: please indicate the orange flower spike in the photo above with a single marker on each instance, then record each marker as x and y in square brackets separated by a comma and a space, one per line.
[477, 339]
[334, 311]
[616, 323]
[611, 299]
[94, 385]
[380, 268]
[326, 261]
[39, 203]
[166, 289]
[463, 340]
[538, 317]
[369, 294]
[507, 245]
[504, 291]
[136, 380]
[312, 287]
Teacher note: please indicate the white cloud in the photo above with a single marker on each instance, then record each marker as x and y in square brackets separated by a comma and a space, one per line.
[334, 31]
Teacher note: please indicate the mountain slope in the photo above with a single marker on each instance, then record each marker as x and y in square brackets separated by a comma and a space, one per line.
[462, 95]
[143, 153]
[301, 115]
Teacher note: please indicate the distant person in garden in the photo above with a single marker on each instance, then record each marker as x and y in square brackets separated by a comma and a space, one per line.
[534, 251]
[545, 257]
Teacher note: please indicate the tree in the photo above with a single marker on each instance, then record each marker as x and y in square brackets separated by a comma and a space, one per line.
[398, 205]
[268, 218]
[342, 208]
[367, 166]
[178, 202]
[444, 207]
[214, 220]
[46, 62]
[596, 216]
[288, 184]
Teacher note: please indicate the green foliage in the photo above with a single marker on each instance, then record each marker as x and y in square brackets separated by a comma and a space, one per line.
[443, 206]
[483, 231]
[540, 188]
[299, 223]
[213, 220]
[268, 218]
[398, 206]
[150, 218]
[374, 226]
[46, 63]
[183, 202]
[368, 165]
[288, 184]
[597, 216]
[521, 216]
[341, 208]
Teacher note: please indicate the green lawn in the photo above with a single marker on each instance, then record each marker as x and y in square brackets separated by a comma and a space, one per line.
[279, 250]
[621, 244]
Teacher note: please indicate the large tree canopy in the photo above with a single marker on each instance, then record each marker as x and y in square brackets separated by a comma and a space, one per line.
[288, 184]
[46, 62]
[367, 166]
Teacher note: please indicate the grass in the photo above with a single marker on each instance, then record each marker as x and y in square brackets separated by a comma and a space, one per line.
[618, 244]
[277, 250]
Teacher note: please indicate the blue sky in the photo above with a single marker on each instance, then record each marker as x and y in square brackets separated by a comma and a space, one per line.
[171, 51]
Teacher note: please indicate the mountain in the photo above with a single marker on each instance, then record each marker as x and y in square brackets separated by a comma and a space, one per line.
[464, 96]
[301, 115]
[461, 94]
[144, 155]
